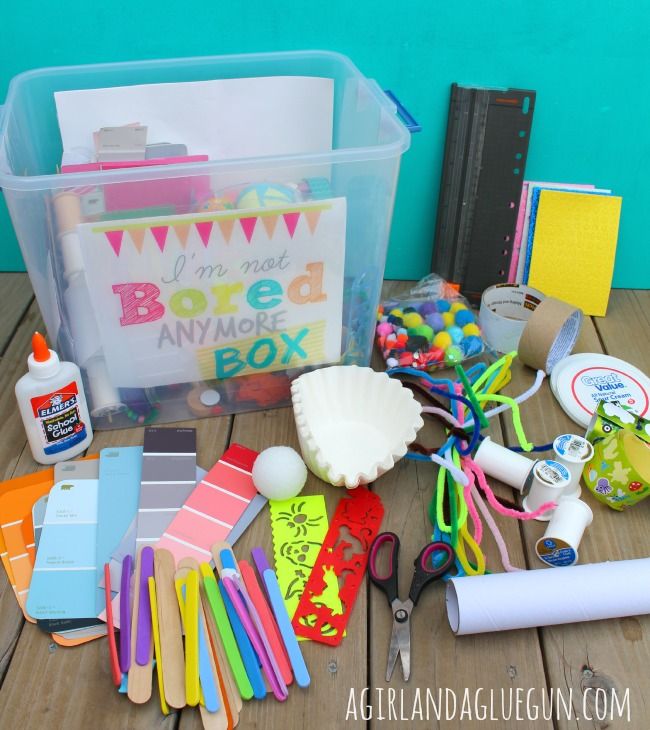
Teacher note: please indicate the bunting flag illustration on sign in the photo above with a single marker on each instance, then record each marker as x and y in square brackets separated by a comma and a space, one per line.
[216, 295]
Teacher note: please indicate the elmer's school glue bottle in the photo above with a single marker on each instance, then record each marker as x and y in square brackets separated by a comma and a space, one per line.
[53, 406]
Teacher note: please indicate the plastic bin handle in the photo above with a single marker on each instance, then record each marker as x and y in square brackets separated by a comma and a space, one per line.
[409, 121]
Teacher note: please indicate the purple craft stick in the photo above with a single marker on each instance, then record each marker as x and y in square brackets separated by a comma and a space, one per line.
[262, 564]
[125, 614]
[143, 637]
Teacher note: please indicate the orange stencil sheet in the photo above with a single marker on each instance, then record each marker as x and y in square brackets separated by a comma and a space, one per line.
[342, 560]
[17, 497]
[213, 507]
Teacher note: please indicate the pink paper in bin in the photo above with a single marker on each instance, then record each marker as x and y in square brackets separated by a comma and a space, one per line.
[181, 192]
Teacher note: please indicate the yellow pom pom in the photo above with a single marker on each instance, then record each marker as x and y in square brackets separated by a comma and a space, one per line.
[442, 340]
[471, 329]
[396, 312]
[456, 306]
[448, 318]
[412, 319]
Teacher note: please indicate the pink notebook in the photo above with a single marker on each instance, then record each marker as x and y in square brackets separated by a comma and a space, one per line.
[213, 507]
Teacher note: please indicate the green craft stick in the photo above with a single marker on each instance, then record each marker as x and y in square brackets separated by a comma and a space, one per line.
[469, 392]
[225, 631]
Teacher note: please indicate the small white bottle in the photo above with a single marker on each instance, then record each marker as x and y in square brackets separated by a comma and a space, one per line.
[53, 406]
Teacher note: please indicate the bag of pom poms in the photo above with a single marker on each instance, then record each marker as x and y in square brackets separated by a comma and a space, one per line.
[428, 327]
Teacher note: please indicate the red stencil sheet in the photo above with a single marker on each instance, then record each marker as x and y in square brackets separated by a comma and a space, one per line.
[342, 557]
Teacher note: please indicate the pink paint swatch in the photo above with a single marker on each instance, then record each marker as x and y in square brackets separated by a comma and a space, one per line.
[213, 507]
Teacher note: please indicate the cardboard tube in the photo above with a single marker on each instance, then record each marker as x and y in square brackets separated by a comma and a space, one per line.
[550, 334]
[529, 598]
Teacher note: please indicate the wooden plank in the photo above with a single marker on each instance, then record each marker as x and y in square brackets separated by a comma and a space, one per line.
[17, 295]
[625, 330]
[604, 653]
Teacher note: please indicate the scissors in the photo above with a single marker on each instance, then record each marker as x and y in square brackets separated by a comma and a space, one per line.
[400, 642]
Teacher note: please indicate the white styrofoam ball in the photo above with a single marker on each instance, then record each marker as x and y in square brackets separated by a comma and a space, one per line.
[279, 473]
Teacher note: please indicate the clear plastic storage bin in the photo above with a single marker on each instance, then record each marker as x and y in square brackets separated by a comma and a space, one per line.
[195, 288]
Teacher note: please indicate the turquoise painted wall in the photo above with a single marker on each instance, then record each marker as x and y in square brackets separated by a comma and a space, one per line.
[588, 61]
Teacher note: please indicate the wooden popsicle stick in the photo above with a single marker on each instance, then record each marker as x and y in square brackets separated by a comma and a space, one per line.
[222, 719]
[140, 675]
[169, 626]
[229, 686]
[156, 644]
[216, 553]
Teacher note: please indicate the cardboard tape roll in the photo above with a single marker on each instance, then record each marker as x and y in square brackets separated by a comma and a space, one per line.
[505, 310]
[550, 334]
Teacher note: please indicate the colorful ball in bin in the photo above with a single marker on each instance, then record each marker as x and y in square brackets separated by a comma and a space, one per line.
[412, 319]
[457, 306]
[464, 317]
[471, 330]
[456, 334]
[427, 308]
[472, 345]
[442, 340]
[266, 195]
[448, 318]
[443, 305]
[453, 355]
[435, 321]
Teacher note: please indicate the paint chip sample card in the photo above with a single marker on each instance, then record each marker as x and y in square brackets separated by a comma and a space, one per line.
[217, 295]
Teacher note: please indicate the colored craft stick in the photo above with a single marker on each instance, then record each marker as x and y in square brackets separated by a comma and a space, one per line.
[112, 645]
[191, 624]
[266, 616]
[139, 677]
[245, 647]
[267, 657]
[143, 639]
[270, 580]
[238, 603]
[125, 614]
[151, 583]
[220, 616]
[169, 626]
[203, 685]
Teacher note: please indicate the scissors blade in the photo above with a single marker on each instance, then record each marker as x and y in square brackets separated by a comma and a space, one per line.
[404, 644]
[393, 651]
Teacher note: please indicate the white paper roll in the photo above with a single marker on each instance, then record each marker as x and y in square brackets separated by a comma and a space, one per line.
[503, 464]
[550, 480]
[83, 327]
[73, 262]
[505, 601]
[559, 544]
[573, 452]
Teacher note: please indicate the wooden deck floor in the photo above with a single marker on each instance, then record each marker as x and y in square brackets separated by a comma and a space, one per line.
[43, 686]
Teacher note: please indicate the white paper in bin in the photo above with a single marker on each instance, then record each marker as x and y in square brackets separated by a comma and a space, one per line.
[546, 597]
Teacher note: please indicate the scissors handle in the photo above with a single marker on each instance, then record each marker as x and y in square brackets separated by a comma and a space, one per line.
[388, 582]
[423, 573]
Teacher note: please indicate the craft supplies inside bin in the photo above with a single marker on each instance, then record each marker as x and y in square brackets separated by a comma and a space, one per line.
[204, 279]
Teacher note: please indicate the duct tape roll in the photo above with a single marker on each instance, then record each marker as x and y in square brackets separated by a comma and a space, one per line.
[505, 310]
[550, 334]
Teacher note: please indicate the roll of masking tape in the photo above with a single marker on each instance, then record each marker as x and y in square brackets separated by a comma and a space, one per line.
[505, 310]
[550, 334]
[516, 317]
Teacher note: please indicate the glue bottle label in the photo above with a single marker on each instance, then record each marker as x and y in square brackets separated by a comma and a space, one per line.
[58, 416]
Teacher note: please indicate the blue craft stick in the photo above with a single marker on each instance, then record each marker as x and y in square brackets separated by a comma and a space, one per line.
[209, 688]
[245, 647]
[300, 671]
[298, 665]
